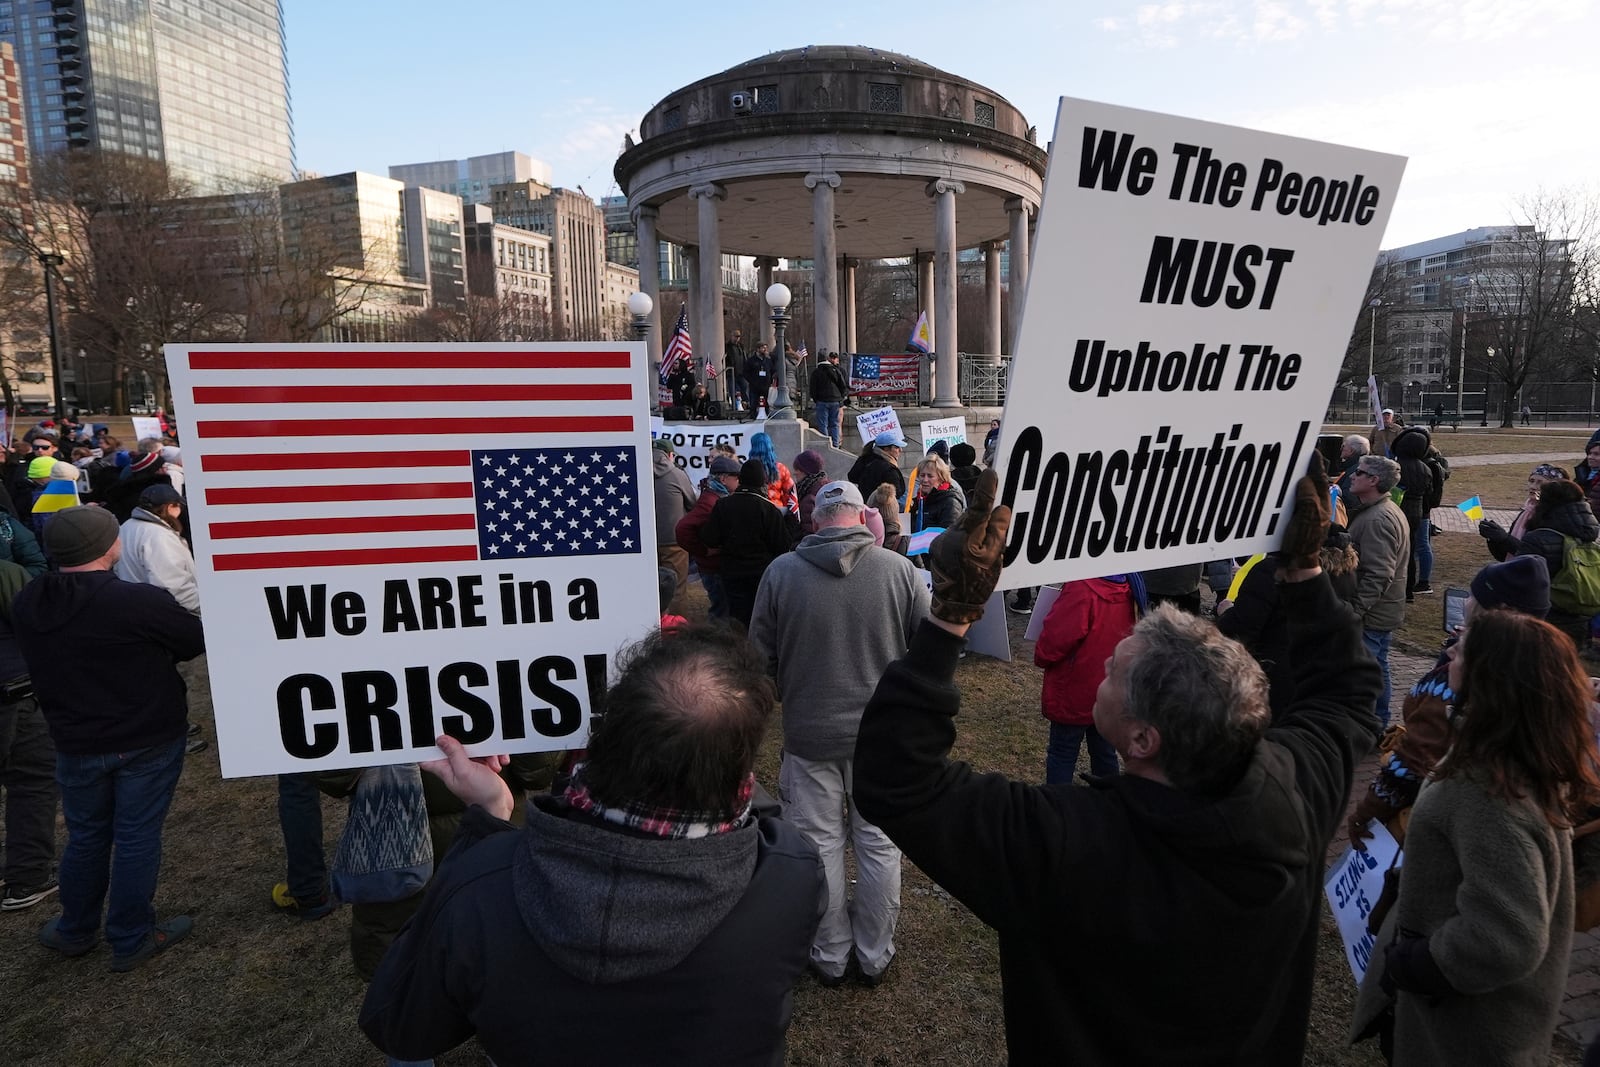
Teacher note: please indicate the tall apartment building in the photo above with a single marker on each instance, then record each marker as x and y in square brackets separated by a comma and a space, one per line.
[356, 224]
[577, 231]
[201, 86]
[473, 177]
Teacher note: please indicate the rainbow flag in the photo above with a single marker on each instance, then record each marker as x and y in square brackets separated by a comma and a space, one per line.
[56, 496]
[1472, 508]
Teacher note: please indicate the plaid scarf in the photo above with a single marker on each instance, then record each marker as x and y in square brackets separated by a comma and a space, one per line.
[662, 822]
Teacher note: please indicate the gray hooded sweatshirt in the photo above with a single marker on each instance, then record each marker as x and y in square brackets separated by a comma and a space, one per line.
[830, 616]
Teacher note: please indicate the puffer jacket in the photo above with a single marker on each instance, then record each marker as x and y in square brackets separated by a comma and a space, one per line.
[1411, 452]
[1574, 520]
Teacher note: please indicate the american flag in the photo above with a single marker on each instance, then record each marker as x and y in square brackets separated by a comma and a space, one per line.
[351, 456]
[680, 347]
[800, 350]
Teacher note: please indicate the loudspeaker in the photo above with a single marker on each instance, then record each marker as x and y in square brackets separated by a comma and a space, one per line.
[714, 409]
[679, 413]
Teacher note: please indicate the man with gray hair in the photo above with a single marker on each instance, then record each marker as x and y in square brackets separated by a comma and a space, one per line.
[827, 662]
[1169, 914]
[1382, 539]
[1351, 450]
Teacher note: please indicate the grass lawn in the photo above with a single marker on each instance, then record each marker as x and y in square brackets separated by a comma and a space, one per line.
[252, 987]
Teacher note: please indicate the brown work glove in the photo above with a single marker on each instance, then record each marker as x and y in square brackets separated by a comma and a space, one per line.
[1308, 524]
[965, 559]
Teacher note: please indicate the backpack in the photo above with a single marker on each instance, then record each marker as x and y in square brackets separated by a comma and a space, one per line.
[1576, 587]
[1439, 467]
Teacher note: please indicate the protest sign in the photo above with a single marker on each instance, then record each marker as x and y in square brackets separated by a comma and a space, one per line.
[1375, 398]
[1164, 398]
[1353, 886]
[145, 427]
[885, 375]
[871, 423]
[693, 440]
[361, 597]
[952, 431]
[1043, 601]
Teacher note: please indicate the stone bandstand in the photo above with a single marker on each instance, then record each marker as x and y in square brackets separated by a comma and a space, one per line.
[836, 155]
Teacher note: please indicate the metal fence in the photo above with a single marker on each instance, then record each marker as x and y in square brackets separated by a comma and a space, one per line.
[1549, 403]
[982, 381]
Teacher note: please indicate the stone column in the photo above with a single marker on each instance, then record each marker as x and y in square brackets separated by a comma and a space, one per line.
[691, 295]
[644, 223]
[825, 283]
[1017, 282]
[765, 265]
[848, 342]
[709, 340]
[945, 372]
[991, 292]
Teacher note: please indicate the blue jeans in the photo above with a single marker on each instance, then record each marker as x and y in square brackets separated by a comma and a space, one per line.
[828, 419]
[300, 819]
[1422, 548]
[1377, 642]
[712, 584]
[1061, 757]
[117, 801]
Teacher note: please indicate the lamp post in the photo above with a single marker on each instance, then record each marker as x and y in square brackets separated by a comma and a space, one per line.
[1488, 369]
[88, 402]
[1372, 334]
[639, 306]
[778, 301]
[1461, 370]
[50, 261]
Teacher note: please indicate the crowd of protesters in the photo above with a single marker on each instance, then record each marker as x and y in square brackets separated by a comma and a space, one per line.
[651, 878]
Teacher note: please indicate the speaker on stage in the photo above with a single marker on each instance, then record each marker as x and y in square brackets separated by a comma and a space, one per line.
[714, 409]
[679, 413]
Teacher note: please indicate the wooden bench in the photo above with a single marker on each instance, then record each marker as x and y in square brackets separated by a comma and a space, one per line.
[1452, 417]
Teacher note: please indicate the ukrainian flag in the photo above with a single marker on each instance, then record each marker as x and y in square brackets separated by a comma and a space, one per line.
[56, 496]
[1472, 509]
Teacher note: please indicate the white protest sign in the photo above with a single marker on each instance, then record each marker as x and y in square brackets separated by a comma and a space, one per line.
[145, 427]
[360, 601]
[1353, 885]
[871, 423]
[1201, 282]
[987, 636]
[693, 441]
[953, 431]
[1042, 603]
[1375, 398]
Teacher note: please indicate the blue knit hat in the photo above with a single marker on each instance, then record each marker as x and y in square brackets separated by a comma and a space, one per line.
[1521, 583]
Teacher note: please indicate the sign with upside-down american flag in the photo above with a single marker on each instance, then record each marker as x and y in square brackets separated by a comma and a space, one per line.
[398, 541]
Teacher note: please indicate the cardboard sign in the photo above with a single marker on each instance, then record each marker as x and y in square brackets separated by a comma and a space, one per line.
[145, 427]
[359, 600]
[693, 441]
[870, 424]
[1352, 887]
[1043, 601]
[1164, 398]
[952, 431]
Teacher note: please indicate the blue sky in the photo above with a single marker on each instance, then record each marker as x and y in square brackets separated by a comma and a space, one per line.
[1492, 100]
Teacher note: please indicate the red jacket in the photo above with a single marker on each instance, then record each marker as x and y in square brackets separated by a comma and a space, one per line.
[688, 532]
[1084, 625]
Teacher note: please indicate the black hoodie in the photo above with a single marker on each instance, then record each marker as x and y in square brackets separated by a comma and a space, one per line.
[102, 655]
[1138, 923]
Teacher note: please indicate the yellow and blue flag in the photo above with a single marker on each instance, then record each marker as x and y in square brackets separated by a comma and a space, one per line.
[1472, 508]
[56, 496]
[921, 335]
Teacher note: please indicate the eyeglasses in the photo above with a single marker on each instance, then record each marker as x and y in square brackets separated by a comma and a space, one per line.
[43, 448]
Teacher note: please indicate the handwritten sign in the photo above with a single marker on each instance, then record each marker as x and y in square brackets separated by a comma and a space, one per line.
[870, 424]
[951, 431]
[1163, 398]
[1352, 886]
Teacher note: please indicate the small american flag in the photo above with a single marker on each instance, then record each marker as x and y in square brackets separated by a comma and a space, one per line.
[800, 350]
[680, 347]
[483, 454]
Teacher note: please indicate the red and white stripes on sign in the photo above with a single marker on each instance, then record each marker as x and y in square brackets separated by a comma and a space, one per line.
[344, 458]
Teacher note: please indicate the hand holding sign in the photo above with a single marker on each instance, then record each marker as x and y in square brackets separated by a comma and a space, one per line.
[476, 780]
[1308, 524]
[965, 560]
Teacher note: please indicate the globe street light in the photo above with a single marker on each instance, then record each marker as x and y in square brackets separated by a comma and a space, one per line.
[1488, 369]
[1372, 336]
[639, 306]
[778, 301]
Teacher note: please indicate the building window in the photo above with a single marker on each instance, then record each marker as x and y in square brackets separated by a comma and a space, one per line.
[673, 119]
[983, 114]
[883, 97]
[766, 99]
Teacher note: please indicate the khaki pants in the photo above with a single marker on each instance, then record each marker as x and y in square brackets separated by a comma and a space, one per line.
[675, 560]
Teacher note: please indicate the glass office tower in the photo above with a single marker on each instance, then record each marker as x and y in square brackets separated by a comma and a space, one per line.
[200, 84]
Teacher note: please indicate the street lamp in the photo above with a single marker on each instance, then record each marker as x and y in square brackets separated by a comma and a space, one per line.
[88, 401]
[50, 261]
[1372, 336]
[1488, 369]
[778, 301]
[639, 306]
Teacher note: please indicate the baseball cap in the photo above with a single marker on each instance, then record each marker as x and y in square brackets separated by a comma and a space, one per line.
[724, 465]
[661, 444]
[839, 493]
[889, 438]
